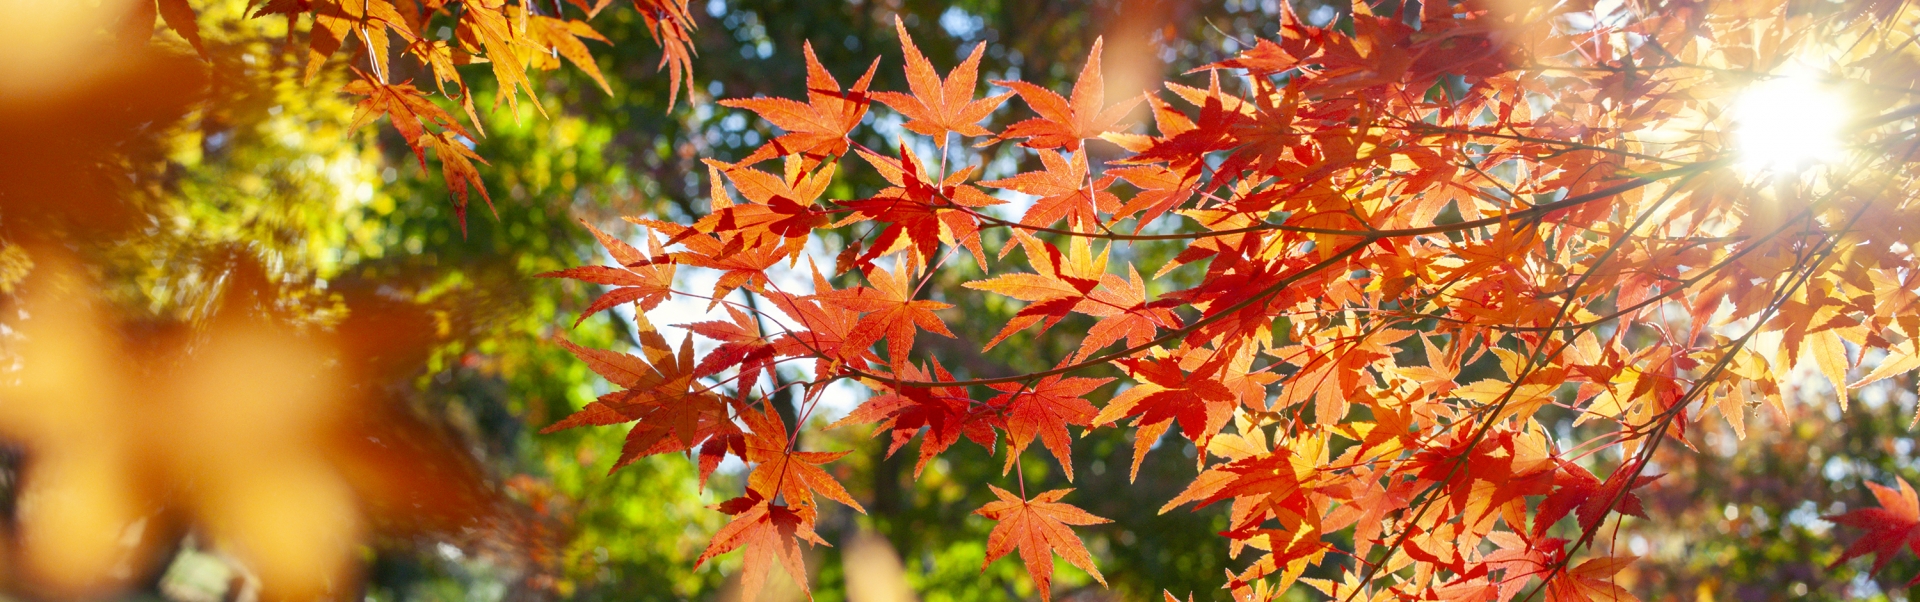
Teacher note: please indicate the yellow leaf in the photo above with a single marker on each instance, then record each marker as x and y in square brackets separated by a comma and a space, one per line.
[1831, 355]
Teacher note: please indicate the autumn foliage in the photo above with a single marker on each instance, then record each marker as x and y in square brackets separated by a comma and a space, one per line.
[386, 35]
[1406, 235]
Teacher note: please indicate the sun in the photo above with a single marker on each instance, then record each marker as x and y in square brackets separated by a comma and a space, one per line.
[1788, 124]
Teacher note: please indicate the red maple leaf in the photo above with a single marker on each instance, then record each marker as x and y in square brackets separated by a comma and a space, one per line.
[741, 264]
[781, 210]
[1162, 189]
[1197, 400]
[915, 209]
[946, 413]
[1590, 499]
[1591, 581]
[1894, 524]
[823, 329]
[741, 344]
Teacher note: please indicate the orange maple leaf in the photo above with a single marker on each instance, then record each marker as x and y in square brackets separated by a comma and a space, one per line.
[767, 531]
[1064, 190]
[1199, 401]
[405, 107]
[1592, 580]
[815, 130]
[1063, 123]
[827, 328]
[563, 36]
[456, 168]
[671, 26]
[781, 208]
[741, 344]
[1162, 189]
[334, 22]
[1038, 527]
[938, 107]
[672, 411]
[637, 280]
[1124, 312]
[916, 208]
[1046, 410]
[891, 312]
[780, 472]
[507, 53]
[740, 264]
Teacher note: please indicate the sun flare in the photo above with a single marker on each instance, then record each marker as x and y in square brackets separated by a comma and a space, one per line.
[1788, 124]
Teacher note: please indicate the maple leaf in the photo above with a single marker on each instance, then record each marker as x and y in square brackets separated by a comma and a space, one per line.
[1057, 287]
[1220, 116]
[1065, 123]
[671, 26]
[443, 60]
[1197, 401]
[1046, 410]
[672, 410]
[740, 264]
[1592, 581]
[457, 170]
[491, 29]
[563, 36]
[1078, 282]
[945, 413]
[1578, 491]
[335, 21]
[1065, 192]
[1162, 189]
[1279, 480]
[817, 129]
[767, 531]
[1290, 550]
[917, 210]
[1125, 314]
[1269, 140]
[779, 472]
[891, 312]
[1485, 478]
[180, 18]
[639, 280]
[1894, 524]
[826, 330]
[411, 113]
[741, 344]
[939, 107]
[405, 107]
[781, 210]
[1039, 529]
